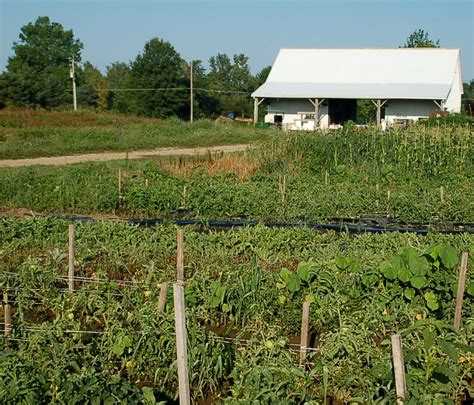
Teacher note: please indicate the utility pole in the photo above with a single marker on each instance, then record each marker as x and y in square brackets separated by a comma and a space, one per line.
[191, 113]
[73, 77]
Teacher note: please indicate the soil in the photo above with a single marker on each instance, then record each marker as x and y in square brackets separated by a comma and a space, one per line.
[105, 156]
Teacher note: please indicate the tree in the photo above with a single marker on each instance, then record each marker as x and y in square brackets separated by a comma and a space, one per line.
[261, 77]
[232, 82]
[118, 77]
[420, 39]
[159, 67]
[38, 73]
[92, 87]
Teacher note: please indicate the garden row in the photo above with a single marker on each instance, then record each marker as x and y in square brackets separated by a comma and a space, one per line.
[422, 174]
[244, 293]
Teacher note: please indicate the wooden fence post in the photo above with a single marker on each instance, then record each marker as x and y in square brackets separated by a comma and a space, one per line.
[181, 343]
[119, 183]
[399, 368]
[71, 258]
[441, 194]
[282, 187]
[163, 295]
[461, 288]
[7, 315]
[304, 333]
[180, 255]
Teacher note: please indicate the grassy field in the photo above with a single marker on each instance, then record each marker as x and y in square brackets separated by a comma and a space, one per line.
[33, 133]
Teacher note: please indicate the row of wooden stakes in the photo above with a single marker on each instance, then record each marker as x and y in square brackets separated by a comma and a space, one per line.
[180, 320]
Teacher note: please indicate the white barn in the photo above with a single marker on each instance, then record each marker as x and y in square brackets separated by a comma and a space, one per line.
[317, 88]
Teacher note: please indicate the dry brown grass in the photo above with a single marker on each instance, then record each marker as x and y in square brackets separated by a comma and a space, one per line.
[242, 165]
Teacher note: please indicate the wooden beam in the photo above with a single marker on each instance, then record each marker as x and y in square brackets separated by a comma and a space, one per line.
[399, 369]
[438, 105]
[255, 109]
[316, 114]
[181, 344]
[304, 333]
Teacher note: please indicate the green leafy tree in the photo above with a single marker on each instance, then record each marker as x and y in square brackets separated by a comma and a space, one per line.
[233, 83]
[206, 103]
[92, 89]
[118, 77]
[261, 77]
[420, 39]
[159, 67]
[38, 72]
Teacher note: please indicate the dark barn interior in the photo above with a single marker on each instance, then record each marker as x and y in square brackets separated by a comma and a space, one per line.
[342, 110]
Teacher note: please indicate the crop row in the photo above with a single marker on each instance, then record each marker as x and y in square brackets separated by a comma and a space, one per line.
[247, 285]
[340, 174]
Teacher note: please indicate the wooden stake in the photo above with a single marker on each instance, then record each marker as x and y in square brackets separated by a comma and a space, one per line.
[399, 368]
[71, 258]
[282, 187]
[120, 183]
[180, 255]
[461, 288]
[304, 333]
[163, 295]
[441, 194]
[181, 343]
[7, 315]
[326, 177]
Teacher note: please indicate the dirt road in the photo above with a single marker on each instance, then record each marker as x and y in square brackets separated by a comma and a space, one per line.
[104, 156]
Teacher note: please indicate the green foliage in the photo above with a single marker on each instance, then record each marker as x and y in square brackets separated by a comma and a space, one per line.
[158, 67]
[38, 72]
[236, 272]
[420, 39]
[233, 75]
[415, 273]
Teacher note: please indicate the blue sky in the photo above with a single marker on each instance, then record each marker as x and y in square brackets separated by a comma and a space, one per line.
[116, 30]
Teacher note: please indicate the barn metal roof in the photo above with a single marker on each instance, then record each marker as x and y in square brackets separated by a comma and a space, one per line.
[402, 73]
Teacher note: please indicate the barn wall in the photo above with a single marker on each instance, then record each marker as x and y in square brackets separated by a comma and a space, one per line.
[408, 109]
[453, 101]
[290, 109]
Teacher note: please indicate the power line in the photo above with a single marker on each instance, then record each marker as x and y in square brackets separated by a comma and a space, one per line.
[175, 89]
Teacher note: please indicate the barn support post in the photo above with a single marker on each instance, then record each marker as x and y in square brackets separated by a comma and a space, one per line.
[439, 104]
[255, 109]
[316, 103]
[379, 104]
[316, 113]
[256, 103]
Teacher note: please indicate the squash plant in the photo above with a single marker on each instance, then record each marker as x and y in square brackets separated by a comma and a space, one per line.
[422, 274]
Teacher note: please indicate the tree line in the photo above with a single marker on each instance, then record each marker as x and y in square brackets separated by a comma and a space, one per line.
[154, 84]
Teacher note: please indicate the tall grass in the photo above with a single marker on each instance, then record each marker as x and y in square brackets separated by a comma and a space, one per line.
[32, 133]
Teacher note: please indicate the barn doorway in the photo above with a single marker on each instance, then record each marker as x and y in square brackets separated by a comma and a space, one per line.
[342, 110]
